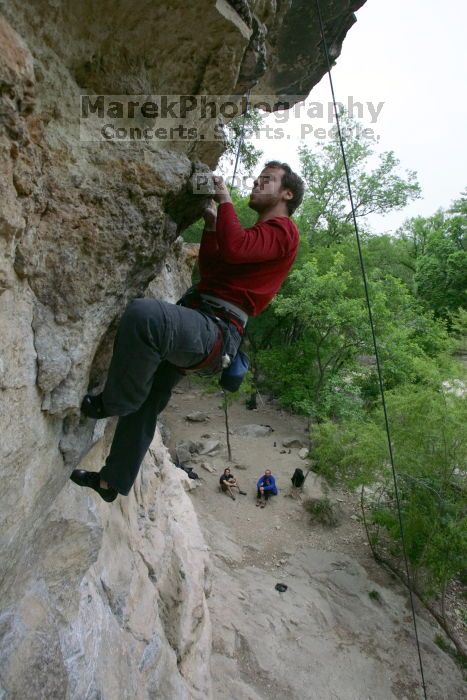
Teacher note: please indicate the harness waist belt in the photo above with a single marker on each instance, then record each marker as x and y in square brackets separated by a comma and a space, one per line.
[228, 306]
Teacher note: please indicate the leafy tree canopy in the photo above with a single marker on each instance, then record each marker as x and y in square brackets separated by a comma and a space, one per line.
[377, 185]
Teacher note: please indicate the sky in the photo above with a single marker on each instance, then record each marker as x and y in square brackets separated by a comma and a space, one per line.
[410, 55]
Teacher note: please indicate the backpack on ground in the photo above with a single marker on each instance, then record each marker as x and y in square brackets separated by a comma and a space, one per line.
[298, 478]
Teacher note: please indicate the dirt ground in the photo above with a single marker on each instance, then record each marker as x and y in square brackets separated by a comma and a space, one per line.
[326, 636]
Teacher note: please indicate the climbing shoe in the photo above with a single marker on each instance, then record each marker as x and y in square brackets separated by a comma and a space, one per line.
[93, 480]
[93, 407]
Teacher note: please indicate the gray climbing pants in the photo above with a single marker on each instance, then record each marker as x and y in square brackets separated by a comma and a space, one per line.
[153, 339]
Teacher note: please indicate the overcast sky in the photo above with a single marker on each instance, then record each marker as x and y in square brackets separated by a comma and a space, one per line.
[411, 55]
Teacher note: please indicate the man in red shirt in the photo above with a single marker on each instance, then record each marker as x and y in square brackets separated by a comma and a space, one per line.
[241, 270]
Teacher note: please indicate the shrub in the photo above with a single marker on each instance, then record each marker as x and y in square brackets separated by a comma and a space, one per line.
[322, 511]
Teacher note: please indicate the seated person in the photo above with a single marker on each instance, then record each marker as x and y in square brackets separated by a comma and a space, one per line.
[266, 487]
[298, 478]
[228, 482]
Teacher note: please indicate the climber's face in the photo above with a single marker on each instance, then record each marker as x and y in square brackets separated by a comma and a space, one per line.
[267, 190]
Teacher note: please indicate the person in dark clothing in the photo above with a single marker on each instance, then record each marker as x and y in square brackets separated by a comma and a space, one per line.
[228, 482]
[298, 478]
[266, 487]
[156, 342]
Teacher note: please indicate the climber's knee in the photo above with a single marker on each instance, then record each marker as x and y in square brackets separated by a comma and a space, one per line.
[141, 312]
[142, 308]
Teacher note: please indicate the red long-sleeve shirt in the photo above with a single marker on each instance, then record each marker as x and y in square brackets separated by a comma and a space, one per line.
[246, 266]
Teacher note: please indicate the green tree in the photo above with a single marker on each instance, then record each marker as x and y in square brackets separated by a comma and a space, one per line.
[429, 437]
[248, 125]
[323, 328]
[437, 246]
[326, 212]
[317, 350]
[459, 206]
[441, 274]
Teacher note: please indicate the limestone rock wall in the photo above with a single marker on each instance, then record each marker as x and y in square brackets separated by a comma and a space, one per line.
[84, 228]
[116, 605]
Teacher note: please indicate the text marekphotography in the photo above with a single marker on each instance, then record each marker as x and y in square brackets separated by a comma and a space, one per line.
[203, 117]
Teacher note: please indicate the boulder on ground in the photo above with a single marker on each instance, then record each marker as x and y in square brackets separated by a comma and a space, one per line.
[185, 449]
[293, 442]
[303, 453]
[208, 467]
[253, 430]
[209, 447]
[197, 417]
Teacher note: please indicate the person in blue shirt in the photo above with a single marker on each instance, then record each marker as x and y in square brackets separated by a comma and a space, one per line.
[266, 487]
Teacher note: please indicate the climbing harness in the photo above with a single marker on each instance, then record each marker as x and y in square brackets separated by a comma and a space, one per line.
[233, 312]
[375, 346]
[225, 315]
[215, 307]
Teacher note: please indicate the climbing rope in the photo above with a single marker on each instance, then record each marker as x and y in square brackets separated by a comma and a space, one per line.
[237, 160]
[375, 346]
[240, 143]
[372, 326]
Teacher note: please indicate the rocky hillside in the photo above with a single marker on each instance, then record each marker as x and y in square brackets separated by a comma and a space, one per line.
[100, 602]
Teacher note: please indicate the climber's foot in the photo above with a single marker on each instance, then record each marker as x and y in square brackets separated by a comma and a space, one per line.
[93, 407]
[93, 481]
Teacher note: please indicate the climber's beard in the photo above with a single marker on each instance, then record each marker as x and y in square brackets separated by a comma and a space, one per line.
[261, 200]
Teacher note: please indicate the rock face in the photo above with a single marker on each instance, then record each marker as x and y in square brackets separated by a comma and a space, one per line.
[84, 228]
[111, 602]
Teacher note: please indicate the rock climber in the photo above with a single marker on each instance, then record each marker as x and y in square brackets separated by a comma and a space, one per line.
[228, 482]
[241, 270]
[266, 486]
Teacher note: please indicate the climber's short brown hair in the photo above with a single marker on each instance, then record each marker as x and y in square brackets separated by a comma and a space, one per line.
[290, 181]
